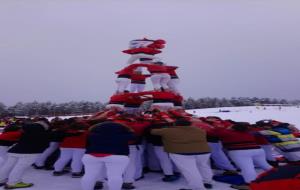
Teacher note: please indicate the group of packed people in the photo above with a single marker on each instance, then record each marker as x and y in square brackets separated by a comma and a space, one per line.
[116, 146]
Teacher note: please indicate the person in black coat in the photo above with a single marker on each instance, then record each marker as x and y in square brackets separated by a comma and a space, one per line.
[107, 145]
[33, 141]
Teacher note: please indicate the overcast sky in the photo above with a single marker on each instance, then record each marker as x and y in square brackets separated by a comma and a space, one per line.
[63, 50]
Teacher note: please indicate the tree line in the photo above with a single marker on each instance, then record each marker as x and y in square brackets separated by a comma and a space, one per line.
[85, 107]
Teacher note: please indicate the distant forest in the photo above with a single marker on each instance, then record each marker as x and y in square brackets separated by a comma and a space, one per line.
[84, 107]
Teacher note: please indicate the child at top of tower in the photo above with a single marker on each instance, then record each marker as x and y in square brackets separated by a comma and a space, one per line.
[144, 50]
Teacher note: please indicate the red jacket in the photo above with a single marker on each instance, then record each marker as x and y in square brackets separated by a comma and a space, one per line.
[205, 126]
[178, 100]
[102, 115]
[235, 140]
[172, 72]
[138, 78]
[162, 117]
[131, 122]
[145, 50]
[76, 141]
[155, 68]
[159, 96]
[135, 100]
[119, 98]
[175, 113]
[129, 69]
[138, 128]
[10, 136]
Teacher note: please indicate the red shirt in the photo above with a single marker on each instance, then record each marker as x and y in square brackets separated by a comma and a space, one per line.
[138, 78]
[78, 141]
[145, 50]
[129, 69]
[236, 140]
[119, 98]
[163, 96]
[171, 71]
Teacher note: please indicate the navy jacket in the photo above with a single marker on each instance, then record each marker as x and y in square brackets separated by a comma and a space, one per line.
[34, 140]
[109, 138]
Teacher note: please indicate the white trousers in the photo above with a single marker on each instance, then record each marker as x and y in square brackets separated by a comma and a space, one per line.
[129, 174]
[122, 84]
[15, 166]
[219, 157]
[164, 160]
[151, 159]
[40, 161]
[134, 169]
[290, 156]
[138, 56]
[140, 161]
[245, 160]
[173, 84]
[195, 169]
[67, 154]
[160, 80]
[3, 154]
[134, 87]
[269, 152]
[115, 166]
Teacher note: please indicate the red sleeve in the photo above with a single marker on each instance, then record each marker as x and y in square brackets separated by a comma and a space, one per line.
[11, 136]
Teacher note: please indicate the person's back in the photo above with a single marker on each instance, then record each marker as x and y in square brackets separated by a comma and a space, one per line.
[284, 141]
[184, 139]
[109, 137]
[34, 140]
[239, 137]
[107, 145]
[189, 150]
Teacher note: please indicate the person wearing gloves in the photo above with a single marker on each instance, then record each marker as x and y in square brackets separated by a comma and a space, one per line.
[189, 151]
[33, 141]
[107, 146]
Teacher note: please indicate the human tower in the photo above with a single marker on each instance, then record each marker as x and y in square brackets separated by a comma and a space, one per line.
[131, 81]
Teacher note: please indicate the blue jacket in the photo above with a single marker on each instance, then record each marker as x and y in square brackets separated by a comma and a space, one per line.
[109, 138]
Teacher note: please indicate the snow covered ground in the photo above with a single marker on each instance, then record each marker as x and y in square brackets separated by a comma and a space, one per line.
[252, 114]
[43, 180]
